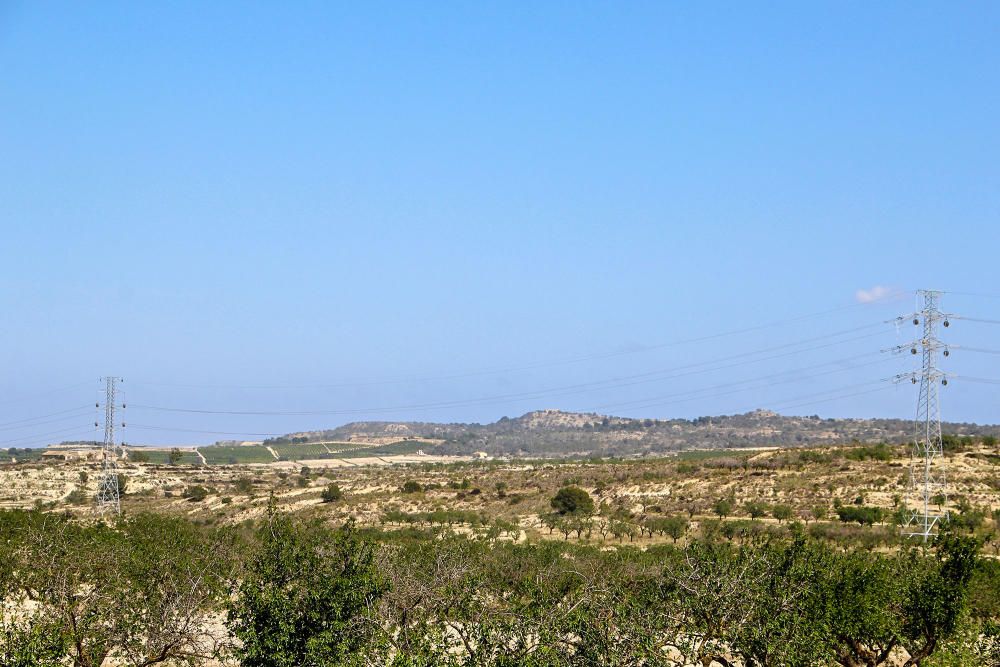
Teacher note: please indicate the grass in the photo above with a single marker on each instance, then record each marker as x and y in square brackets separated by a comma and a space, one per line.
[326, 450]
[160, 457]
[706, 454]
[223, 454]
[299, 452]
[395, 449]
[21, 455]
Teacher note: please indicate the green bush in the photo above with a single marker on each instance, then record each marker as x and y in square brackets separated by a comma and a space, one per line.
[572, 500]
[195, 494]
[861, 514]
[332, 493]
[410, 486]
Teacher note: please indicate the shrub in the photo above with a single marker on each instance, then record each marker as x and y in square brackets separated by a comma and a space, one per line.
[879, 452]
[77, 497]
[572, 500]
[196, 493]
[865, 516]
[410, 486]
[302, 595]
[332, 493]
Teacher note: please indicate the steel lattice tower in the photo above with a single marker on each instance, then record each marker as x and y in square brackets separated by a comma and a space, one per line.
[108, 496]
[927, 474]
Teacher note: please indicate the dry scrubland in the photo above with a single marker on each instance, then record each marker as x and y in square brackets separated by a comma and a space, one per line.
[806, 485]
[724, 557]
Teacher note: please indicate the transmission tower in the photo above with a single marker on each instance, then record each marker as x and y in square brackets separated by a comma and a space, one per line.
[108, 495]
[927, 474]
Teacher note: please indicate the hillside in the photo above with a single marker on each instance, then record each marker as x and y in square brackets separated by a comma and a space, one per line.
[553, 432]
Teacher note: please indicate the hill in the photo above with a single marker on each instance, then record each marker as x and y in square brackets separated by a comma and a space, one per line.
[558, 433]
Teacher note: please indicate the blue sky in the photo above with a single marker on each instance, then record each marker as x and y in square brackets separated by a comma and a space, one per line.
[383, 196]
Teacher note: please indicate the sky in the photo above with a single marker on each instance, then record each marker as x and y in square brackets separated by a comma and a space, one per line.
[461, 211]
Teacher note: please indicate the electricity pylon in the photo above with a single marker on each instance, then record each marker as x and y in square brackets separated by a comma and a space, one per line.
[927, 474]
[108, 496]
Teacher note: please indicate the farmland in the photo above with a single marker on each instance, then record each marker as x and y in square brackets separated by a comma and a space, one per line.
[514, 525]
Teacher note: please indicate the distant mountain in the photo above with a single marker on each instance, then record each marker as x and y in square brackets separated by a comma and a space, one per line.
[554, 432]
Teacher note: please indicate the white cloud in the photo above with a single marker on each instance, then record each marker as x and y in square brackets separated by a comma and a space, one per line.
[876, 293]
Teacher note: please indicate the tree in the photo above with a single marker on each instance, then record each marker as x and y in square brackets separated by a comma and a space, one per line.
[937, 600]
[332, 493]
[304, 595]
[863, 515]
[174, 456]
[572, 500]
[818, 512]
[122, 484]
[781, 512]
[550, 521]
[753, 602]
[723, 507]
[755, 509]
[28, 638]
[676, 527]
[31, 642]
[875, 604]
[410, 486]
[100, 588]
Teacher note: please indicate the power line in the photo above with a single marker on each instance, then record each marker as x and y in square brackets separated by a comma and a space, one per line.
[37, 436]
[882, 387]
[44, 393]
[980, 294]
[43, 423]
[655, 401]
[611, 383]
[70, 437]
[981, 350]
[146, 427]
[7, 426]
[547, 364]
[975, 319]
[966, 378]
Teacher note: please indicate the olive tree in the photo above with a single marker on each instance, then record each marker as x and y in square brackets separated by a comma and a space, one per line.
[302, 599]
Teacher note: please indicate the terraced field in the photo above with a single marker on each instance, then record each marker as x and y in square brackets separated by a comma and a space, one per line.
[395, 449]
[161, 457]
[220, 454]
[326, 450]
